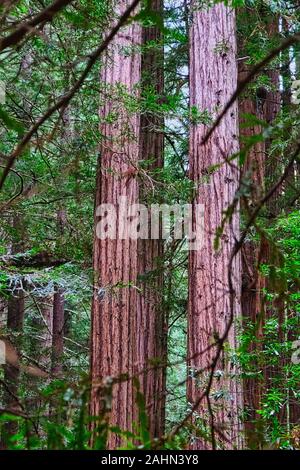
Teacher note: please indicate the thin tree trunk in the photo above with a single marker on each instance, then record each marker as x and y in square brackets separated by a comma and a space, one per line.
[3, 312]
[45, 305]
[213, 78]
[58, 331]
[271, 109]
[151, 350]
[274, 168]
[114, 312]
[15, 321]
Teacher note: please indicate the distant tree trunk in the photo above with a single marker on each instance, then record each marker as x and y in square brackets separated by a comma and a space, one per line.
[59, 297]
[294, 406]
[57, 342]
[271, 109]
[58, 331]
[268, 169]
[253, 283]
[290, 183]
[3, 312]
[15, 321]
[45, 305]
[58, 325]
[114, 310]
[213, 78]
[274, 168]
[152, 342]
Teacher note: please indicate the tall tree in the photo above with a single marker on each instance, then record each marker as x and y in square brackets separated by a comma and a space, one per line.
[261, 169]
[151, 350]
[212, 304]
[114, 310]
[253, 183]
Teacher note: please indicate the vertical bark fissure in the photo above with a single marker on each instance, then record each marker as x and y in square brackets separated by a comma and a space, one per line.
[213, 79]
[115, 260]
[253, 283]
[151, 348]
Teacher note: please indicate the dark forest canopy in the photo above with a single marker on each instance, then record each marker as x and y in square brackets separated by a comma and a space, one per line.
[150, 226]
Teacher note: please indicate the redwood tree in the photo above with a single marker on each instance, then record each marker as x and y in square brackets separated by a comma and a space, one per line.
[213, 79]
[253, 182]
[114, 310]
[152, 340]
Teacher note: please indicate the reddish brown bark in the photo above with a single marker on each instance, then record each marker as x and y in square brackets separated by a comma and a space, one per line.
[253, 306]
[151, 350]
[114, 318]
[273, 171]
[253, 282]
[213, 78]
[271, 110]
[289, 414]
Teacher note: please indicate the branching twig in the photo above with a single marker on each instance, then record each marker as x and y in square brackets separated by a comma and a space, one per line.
[243, 84]
[65, 99]
[44, 16]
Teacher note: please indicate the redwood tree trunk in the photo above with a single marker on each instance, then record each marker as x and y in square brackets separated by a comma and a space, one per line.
[253, 282]
[114, 311]
[151, 350]
[213, 79]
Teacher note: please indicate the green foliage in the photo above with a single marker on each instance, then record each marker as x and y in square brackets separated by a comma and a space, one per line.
[57, 172]
[200, 117]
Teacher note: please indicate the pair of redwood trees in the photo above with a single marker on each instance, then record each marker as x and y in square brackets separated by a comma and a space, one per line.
[128, 323]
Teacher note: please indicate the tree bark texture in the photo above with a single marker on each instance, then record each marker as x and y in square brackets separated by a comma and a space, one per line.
[253, 283]
[152, 339]
[271, 109]
[114, 310]
[213, 79]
